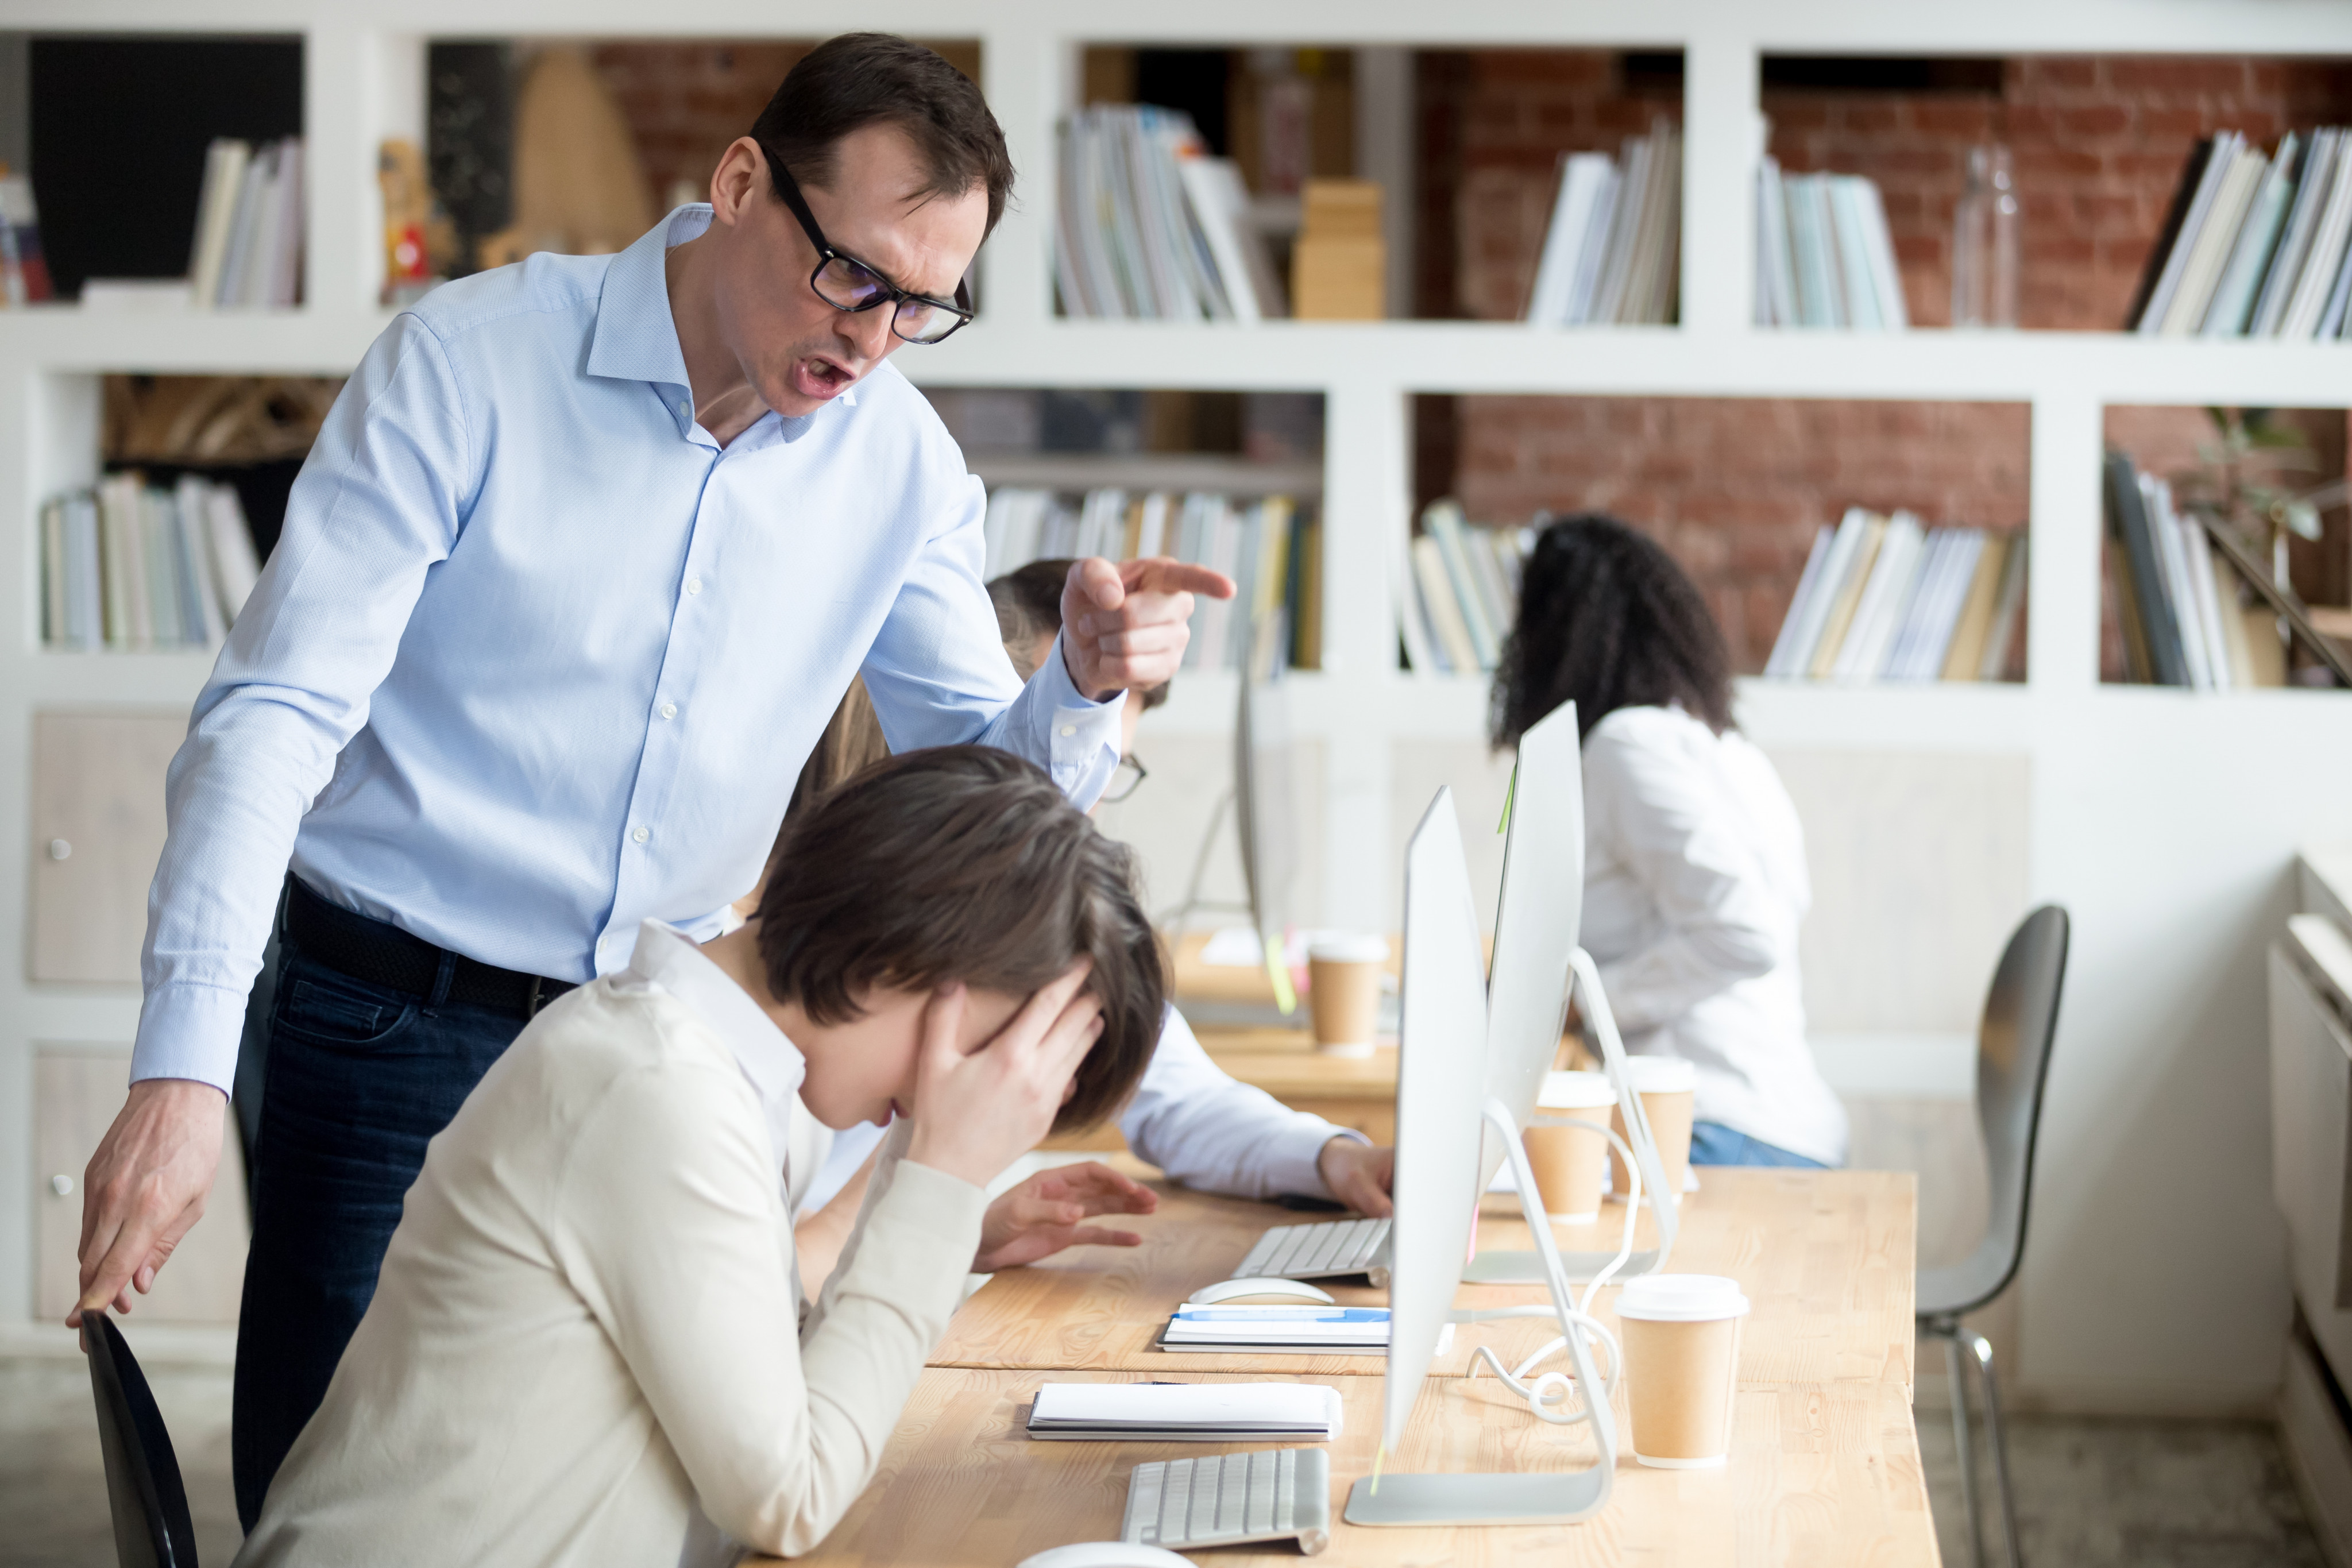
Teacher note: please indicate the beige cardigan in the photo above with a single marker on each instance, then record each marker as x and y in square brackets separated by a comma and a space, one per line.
[585, 1322]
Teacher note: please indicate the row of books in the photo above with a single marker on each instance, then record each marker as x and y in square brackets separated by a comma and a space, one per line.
[248, 248]
[1884, 598]
[1824, 256]
[2182, 601]
[1272, 551]
[1463, 593]
[129, 565]
[1613, 252]
[2255, 245]
[1151, 227]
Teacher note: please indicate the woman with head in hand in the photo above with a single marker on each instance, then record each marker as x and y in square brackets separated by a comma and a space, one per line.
[1695, 877]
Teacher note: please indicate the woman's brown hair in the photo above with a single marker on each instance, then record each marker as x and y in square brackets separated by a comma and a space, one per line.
[964, 863]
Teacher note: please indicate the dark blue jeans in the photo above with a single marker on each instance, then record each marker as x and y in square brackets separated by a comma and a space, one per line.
[358, 1079]
[1713, 1144]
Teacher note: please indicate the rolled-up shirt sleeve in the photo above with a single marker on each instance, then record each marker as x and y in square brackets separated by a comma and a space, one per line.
[938, 674]
[1213, 1133]
[377, 505]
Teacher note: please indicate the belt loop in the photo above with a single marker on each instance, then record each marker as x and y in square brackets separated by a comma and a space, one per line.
[443, 978]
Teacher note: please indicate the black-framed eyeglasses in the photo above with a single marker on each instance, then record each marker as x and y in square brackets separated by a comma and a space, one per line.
[1125, 780]
[849, 285]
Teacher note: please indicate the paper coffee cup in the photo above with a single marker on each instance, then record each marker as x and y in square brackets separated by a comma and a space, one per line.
[1681, 1334]
[1343, 990]
[1666, 1085]
[1568, 1162]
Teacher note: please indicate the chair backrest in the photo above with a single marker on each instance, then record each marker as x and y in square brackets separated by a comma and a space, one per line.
[152, 1528]
[2021, 1018]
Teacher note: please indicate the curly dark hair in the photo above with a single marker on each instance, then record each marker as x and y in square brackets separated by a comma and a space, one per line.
[1606, 621]
[964, 863]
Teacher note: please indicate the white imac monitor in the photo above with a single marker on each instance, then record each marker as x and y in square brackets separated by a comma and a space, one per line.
[1537, 965]
[1441, 1104]
[1440, 1086]
[1536, 922]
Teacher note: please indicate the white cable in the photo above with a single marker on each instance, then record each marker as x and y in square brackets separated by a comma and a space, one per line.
[1552, 1388]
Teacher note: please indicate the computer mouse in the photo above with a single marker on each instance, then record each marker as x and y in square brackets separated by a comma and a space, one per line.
[1106, 1555]
[1226, 1289]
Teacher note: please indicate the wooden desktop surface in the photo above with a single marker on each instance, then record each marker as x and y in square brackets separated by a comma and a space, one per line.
[1821, 1474]
[1826, 1258]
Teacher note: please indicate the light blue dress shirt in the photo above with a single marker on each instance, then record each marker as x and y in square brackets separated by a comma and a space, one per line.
[535, 659]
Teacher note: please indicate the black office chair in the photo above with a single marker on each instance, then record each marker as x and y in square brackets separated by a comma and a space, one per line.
[2020, 1017]
[152, 1528]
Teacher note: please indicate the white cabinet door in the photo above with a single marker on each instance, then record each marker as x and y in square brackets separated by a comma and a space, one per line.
[75, 1097]
[97, 832]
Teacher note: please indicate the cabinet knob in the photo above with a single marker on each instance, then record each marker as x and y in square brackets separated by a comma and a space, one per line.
[59, 850]
[62, 1186]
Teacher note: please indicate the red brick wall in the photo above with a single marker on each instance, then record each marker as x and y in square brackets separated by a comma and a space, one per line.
[686, 102]
[2099, 142]
[1494, 125]
[1735, 488]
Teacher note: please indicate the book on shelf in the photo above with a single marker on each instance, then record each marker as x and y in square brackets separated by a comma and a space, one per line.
[1267, 545]
[248, 247]
[24, 268]
[130, 566]
[1886, 598]
[1460, 595]
[2254, 244]
[1613, 253]
[2197, 609]
[1824, 256]
[1151, 226]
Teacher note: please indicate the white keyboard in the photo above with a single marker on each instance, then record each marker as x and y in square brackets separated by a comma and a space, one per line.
[1318, 1251]
[1273, 1494]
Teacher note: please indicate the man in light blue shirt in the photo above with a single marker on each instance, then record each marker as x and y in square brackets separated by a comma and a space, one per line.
[582, 562]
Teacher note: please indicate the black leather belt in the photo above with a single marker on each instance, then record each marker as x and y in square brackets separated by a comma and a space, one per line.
[384, 955]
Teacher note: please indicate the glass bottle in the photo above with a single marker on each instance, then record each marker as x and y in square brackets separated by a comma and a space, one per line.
[1984, 243]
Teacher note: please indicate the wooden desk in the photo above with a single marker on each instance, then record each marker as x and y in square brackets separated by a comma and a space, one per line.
[1820, 1474]
[1826, 1258]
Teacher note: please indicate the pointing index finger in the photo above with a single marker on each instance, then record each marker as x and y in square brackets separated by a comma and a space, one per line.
[1164, 574]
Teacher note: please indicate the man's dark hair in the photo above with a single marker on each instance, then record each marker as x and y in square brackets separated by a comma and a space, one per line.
[1606, 621]
[1028, 603]
[963, 863]
[857, 79]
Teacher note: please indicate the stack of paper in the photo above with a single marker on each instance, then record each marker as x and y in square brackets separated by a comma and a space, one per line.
[1185, 1412]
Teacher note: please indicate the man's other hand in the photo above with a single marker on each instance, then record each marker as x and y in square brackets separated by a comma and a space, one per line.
[1358, 1174]
[1048, 1212]
[146, 1188]
[1124, 627]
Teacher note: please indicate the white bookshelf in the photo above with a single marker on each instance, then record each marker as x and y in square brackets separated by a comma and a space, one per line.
[2165, 820]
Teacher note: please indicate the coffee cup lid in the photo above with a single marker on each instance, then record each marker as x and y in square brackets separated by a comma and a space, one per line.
[1575, 1091]
[1680, 1299]
[1661, 1075]
[1349, 947]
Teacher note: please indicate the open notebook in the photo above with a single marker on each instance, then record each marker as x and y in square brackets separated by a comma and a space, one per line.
[1186, 1411]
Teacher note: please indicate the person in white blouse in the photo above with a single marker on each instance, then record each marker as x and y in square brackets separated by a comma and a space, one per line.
[589, 1343]
[1695, 880]
[1204, 1129]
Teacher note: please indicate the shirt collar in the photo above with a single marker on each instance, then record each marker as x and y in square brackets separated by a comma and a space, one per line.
[670, 959]
[636, 337]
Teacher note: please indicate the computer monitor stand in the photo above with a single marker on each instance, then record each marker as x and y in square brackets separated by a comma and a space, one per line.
[1507, 1268]
[1521, 1497]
